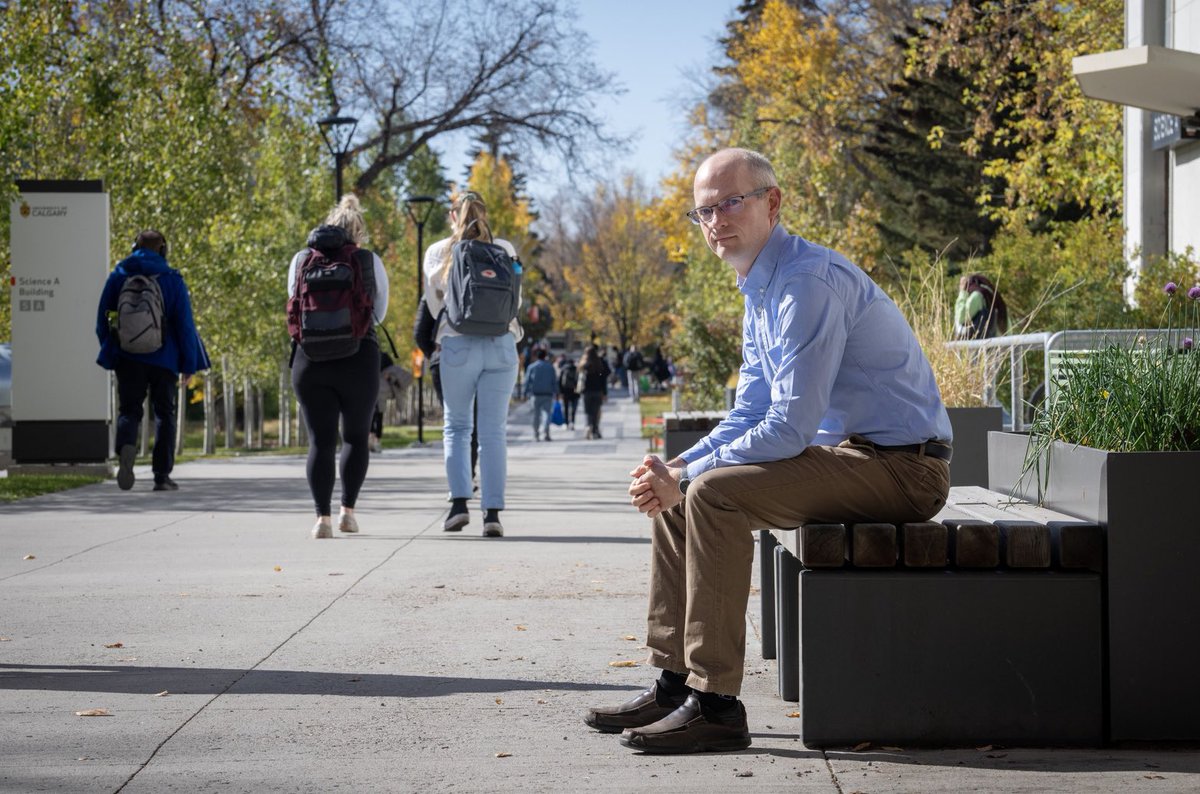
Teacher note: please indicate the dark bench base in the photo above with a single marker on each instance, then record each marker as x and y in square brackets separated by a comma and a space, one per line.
[949, 658]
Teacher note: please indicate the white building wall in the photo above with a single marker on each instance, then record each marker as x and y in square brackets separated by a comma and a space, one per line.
[1185, 171]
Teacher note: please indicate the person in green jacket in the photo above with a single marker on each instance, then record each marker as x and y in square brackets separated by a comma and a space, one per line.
[979, 311]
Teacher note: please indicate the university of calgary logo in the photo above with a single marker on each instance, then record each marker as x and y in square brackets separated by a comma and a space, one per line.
[489, 273]
[24, 210]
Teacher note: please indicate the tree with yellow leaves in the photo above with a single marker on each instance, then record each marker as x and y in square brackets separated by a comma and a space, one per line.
[622, 276]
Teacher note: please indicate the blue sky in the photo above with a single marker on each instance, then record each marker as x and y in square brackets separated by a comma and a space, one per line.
[651, 47]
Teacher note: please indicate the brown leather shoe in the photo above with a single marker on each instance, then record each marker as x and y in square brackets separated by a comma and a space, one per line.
[650, 706]
[691, 729]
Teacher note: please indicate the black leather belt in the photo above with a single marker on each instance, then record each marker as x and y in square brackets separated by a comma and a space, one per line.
[934, 449]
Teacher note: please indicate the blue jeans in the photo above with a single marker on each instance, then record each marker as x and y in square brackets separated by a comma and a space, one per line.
[483, 369]
[543, 404]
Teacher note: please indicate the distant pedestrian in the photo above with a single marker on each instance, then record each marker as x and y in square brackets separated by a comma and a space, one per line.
[476, 369]
[568, 376]
[660, 369]
[541, 383]
[979, 311]
[634, 364]
[593, 384]
[336, 377]
[148, 337]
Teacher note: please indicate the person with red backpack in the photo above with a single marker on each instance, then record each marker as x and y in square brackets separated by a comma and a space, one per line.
[148, 337]
[337, 293]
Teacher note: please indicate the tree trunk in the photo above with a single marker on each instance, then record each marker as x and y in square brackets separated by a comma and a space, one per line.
[247, 413]
[230, 402]
[210, 419]
[285, 409]
[180, 416]
[260, 420]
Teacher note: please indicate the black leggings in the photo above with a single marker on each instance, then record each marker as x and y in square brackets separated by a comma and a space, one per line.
[345, 388]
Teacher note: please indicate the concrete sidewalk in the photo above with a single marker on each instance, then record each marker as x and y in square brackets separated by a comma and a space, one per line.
[234, 653]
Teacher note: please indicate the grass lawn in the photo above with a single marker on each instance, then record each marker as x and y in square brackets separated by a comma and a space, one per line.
[22, 486]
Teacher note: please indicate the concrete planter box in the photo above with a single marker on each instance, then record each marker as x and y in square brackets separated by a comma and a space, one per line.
[971, 427]
[1143, 501]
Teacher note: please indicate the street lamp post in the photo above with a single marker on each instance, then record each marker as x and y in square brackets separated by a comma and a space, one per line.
[427, 205]
[338, 131]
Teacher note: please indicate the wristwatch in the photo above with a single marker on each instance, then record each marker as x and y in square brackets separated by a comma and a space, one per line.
[683, 484]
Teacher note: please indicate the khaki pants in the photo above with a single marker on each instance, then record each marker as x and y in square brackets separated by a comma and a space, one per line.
[703, 548]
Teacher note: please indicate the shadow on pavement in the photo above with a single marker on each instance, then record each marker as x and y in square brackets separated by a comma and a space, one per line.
[212, 680]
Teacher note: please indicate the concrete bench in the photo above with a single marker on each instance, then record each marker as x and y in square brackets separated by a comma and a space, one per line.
[980, 626]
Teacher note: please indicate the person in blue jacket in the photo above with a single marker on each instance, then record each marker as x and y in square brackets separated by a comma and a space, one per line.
[182, 352]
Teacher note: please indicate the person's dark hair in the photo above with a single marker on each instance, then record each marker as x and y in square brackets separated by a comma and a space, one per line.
[541, 354]
[591, 360]
[151, 240]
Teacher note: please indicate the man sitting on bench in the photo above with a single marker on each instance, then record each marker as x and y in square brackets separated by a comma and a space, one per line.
[837, 419]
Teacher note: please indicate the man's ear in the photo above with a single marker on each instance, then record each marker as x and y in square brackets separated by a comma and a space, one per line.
[774, 203]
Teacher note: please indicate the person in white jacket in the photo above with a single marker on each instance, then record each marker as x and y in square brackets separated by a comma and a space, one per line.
[479, 370]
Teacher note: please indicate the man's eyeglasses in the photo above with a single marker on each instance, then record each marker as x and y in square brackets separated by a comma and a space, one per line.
[730, 206]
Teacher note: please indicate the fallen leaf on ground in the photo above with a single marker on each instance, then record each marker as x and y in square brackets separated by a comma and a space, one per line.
[794, 714]
[860, 746]
[337, 574]
[162, 694]
[93, 713]
[278, 569]
[625, 663]
[439, 587]
[521, 628]
[115, 645]
[1154, 777]
[745, 773]
[5, 639]
[541, 702]
[630, 637]
[499, 701]
[29, 557]
[503, 755]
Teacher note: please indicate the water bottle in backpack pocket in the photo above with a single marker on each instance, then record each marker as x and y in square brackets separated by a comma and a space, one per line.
[139, 320]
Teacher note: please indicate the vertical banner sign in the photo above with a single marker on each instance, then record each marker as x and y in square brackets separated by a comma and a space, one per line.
[60, 396]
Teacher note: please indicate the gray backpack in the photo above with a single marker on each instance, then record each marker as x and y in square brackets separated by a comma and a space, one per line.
[140, 314]
[483, 292]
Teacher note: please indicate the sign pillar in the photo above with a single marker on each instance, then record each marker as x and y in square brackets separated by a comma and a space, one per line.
[60, 397]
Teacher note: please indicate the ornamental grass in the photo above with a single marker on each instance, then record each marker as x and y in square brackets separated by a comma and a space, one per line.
[1140, 397]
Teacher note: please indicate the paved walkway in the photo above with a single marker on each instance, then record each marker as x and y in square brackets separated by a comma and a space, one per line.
[234, 653]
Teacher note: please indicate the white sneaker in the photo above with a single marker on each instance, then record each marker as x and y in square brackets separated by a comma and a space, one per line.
[347, 523]
[493, 529]
[323, 529]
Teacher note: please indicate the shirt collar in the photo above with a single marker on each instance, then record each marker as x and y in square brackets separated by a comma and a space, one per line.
[764, 264]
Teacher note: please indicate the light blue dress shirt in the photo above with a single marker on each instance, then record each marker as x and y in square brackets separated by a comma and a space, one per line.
[825, 355]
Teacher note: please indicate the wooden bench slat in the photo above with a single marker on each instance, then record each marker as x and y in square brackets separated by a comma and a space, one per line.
[924, 544]
[873, 545]
[975, 543]
[1026, 544]
[823, 545]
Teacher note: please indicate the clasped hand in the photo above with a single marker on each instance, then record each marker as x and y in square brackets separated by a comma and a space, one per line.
[655, 486]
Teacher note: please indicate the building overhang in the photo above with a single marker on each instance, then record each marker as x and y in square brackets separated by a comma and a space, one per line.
[1153, 78]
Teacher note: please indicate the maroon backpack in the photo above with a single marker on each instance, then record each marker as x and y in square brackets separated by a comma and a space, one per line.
[331, 310]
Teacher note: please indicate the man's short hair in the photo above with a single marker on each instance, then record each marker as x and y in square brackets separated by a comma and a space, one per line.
[756, 163]
[541, 354]
[152, 240]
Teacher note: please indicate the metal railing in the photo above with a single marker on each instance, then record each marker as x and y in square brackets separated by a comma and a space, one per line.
[1056, 347]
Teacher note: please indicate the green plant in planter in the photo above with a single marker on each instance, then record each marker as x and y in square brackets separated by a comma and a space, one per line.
[1143, 397]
